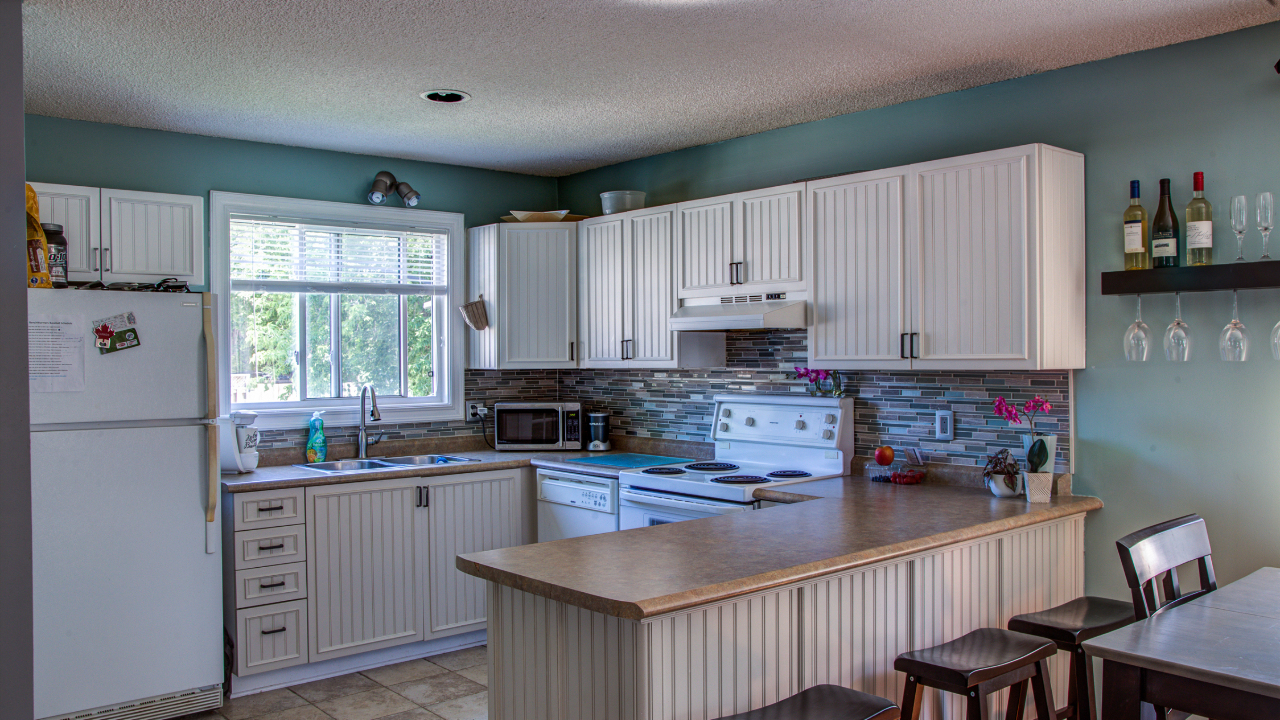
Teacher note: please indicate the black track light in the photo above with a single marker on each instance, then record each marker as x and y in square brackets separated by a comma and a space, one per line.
[383, 185]
[408, 194]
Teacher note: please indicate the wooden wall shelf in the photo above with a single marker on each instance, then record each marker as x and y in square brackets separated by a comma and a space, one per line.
[1228, 276]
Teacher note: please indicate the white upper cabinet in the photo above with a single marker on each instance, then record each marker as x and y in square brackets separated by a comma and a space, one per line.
[746, 243]
[858, 283]
[76, 209]
[968, 263]
[527, 273]
[151, 236]
[627, 284]
[126, 236]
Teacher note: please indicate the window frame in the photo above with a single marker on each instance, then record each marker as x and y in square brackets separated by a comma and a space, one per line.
[345, 411]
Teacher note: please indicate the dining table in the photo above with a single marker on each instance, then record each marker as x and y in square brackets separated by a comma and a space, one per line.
[1217, 656]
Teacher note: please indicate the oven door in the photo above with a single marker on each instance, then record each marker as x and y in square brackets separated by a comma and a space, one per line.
[520, 426]
[645, 508]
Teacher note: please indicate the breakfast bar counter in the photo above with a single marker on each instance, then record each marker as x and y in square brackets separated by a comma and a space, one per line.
[712, 617]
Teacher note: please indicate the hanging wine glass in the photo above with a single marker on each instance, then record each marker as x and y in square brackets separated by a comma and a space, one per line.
[1233, 344]
[1266, 207]
[1239, 223]
[1177, 339]
[1137, 339]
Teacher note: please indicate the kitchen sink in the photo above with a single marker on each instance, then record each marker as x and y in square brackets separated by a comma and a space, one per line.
[428, 460]
[337, 466]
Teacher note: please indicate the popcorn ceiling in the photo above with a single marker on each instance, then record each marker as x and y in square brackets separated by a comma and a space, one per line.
[559, 86]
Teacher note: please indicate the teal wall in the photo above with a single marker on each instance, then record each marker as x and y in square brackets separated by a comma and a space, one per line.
[72, 152]
[1155, 440]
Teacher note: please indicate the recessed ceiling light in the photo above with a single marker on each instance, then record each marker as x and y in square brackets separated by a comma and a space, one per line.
[446, 96]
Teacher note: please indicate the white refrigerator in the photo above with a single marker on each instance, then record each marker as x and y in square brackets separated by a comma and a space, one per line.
[127, 576]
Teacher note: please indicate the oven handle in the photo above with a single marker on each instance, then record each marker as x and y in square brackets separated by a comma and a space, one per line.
[644, 498]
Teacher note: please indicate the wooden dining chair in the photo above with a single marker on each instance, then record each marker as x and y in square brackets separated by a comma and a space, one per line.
[1153, 555]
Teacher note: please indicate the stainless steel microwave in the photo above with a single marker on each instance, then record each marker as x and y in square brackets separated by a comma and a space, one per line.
[537, 426]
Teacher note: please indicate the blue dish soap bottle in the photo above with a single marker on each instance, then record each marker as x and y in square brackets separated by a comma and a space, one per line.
[316, 445]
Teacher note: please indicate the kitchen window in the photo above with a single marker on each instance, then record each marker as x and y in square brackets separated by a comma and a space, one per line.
[321, 299]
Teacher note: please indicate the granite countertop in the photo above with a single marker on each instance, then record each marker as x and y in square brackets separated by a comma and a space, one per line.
[826, 526]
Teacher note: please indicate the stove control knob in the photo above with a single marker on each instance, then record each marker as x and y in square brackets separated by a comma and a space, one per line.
[749, 422]
[827, 434]
[829, 419]
[725, 412]
[724, 427]
[799, 424]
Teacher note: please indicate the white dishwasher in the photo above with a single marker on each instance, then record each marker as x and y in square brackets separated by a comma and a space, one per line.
[573, 505]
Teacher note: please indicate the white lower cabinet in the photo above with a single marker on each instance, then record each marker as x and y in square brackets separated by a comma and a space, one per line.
[367, 565]
[365, 591]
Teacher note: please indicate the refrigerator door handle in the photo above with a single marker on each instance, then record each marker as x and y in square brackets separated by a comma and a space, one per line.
[210, 359]
[211, 539]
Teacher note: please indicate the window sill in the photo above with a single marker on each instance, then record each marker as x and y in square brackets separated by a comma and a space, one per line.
[349, 415]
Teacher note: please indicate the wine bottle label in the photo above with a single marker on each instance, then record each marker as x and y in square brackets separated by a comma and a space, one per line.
[1200, 234]
[1133, 236]
[1163, 244]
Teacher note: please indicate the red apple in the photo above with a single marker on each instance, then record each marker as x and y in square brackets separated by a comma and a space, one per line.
[884, 455]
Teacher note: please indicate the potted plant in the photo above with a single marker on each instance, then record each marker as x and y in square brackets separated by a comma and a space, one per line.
[1039, 447]
[822, 383]
[1002, 474]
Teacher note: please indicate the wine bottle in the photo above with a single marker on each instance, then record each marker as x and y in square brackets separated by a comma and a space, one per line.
[1199, 225]
[1165, 245]
[1136, 256]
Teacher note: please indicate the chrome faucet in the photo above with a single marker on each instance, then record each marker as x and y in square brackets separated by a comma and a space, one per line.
[363, 440]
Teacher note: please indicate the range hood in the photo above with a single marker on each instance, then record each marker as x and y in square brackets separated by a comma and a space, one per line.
[742, 316]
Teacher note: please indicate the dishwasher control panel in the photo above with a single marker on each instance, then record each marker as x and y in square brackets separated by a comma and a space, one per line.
[587, 494]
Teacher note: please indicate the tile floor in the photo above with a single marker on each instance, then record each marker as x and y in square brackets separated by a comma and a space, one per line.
[451, 686]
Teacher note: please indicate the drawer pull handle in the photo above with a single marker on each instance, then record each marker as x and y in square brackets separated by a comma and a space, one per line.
[273, 508]
[273, 632]
[264, 586]
[277, 546]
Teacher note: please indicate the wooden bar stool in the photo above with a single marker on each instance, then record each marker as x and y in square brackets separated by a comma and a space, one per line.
[824, 702]
[978, 664]
[1068, 626]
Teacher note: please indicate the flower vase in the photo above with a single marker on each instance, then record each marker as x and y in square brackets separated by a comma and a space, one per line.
[1000, 488]
[1050, 445]
[1039, 486]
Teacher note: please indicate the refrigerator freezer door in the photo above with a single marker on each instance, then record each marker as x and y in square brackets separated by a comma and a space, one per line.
[161, 379]
[128, 604]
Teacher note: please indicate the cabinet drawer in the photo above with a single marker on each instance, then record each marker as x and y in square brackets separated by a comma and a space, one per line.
[269, 508]
[271, 637]
[271, 546]
[274, 583]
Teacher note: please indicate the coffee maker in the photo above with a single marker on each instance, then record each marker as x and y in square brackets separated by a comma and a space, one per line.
[598, 431]
[238, 442]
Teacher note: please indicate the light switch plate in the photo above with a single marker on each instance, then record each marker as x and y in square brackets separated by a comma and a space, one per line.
[944, 427]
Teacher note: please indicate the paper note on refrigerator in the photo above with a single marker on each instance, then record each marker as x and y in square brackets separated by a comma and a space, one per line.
[55, 353]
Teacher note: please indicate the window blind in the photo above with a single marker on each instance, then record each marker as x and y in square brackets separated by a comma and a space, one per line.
[269, 255]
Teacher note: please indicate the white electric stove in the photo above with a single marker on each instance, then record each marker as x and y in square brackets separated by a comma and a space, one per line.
[761, 441]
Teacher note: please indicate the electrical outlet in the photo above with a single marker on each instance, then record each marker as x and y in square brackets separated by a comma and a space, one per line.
[473, 412]
[945, 426]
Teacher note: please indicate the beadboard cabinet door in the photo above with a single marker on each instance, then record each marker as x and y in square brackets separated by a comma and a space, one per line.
[77, 210]
[650, 289]
[148, 236]
[771, 250]
[708, 246]
[858, 267]
[364, 551]
[528, 274]
[602, 269]
[472, 513]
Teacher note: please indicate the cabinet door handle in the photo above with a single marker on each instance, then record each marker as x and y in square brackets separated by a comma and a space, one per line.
[273, 632]
[572, 357]
[914, 356]
[264, 586]
[902, 346]
[631, 349]
[741, 271]
[417, 500]
[277, 546]
[426, 497]
[97, 260]
[106, 253]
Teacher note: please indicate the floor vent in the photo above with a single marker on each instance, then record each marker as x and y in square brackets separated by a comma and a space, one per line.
[161, 707]
[733, 299]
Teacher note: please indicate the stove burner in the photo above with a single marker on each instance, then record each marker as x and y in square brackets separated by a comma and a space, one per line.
[789, 474]
[711, 467]
[740, 480]
[663, 471]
